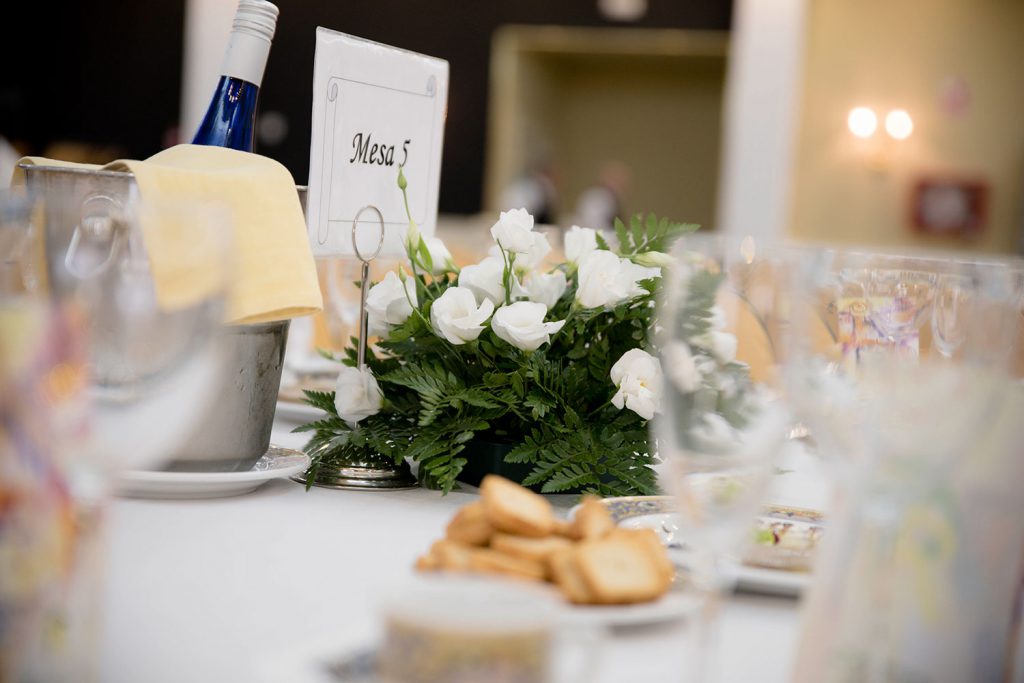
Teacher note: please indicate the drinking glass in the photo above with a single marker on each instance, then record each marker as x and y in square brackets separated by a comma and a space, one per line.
[908, 403]
[341, 277]
[723, 421]
[908, 331]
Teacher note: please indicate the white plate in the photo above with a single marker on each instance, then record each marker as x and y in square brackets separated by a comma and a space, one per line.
[300, 413]
[653, 512]
[676, 604]
[277, 463]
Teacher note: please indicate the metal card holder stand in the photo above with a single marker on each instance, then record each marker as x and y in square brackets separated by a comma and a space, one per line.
[365, 474]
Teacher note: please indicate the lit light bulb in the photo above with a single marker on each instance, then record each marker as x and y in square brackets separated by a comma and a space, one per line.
[862, 122]
[898, 124]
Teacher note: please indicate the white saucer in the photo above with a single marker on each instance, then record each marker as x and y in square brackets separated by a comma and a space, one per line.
[276, 463]
[674, 605]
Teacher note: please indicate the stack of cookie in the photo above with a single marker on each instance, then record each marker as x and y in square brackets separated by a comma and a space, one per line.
[513, 532]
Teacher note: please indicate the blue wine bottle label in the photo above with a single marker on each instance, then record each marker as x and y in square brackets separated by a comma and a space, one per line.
[230, 120]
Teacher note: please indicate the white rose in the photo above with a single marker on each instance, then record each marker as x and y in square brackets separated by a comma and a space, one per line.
[604, 279]
[514, 231]
[439, 255]
[638, 378]
[484, 279]
[601, 280]
[579, 242]
[387, 305]
[681, 367]
[522, 325]
[456, 316]
[545, 288]
[637, 273]
[721, 345]
[357, 394]
[539, 248]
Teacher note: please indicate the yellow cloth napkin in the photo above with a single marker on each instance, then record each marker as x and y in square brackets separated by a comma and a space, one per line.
[274, 275]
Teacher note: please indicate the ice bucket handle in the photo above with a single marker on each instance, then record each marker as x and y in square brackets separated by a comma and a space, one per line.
[98, 224]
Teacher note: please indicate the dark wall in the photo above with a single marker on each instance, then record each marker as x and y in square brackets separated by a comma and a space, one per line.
[107, 73]
[119, 68]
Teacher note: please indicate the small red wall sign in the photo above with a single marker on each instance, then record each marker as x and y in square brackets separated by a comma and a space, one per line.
[949, 206]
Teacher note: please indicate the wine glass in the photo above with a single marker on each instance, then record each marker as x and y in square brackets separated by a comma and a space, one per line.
[723, 422]
[342, 294]
[918, 374]
[903, 326]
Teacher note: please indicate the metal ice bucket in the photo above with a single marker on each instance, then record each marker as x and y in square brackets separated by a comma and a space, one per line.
[235, 433]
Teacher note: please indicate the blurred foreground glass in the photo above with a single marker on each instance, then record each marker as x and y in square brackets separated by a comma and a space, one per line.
[108, 356]
[921, 569]
[49, 538]
[723, 421]
[149, 281]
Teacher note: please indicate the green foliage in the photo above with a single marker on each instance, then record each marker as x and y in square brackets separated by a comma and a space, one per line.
[649, 234]
[552, 404]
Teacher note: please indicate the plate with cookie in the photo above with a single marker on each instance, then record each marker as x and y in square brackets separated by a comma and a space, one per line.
[778, 561]
[604, 573]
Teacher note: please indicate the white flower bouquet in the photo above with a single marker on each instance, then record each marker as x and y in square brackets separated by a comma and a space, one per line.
[553, 368]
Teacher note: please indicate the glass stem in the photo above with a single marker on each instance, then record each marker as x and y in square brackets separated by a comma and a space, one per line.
[703, 664]
[881, 519]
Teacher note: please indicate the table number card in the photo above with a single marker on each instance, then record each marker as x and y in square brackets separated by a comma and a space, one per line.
[375, 108]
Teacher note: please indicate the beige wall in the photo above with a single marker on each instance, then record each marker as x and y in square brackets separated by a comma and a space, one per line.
[660, 117]
[651, 99]
[897, 54]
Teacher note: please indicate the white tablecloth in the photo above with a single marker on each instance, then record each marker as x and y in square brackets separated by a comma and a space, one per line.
[241, 589]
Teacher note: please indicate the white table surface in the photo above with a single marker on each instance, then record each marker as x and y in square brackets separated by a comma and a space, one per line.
[242, 588]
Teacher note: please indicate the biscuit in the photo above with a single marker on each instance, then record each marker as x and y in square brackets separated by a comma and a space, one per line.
[451, 555]
[538, 549]
[470, 525]
[592, 520]
[514, 509]
[619, 569]
[562, 527]
[512, 532]
[427, 563]
[492, 561]
[648, 538]
[566, 575]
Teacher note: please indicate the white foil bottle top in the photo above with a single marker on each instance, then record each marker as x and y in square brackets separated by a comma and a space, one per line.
[249, 44]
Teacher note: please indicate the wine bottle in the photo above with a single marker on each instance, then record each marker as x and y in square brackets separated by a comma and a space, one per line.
[230, 120]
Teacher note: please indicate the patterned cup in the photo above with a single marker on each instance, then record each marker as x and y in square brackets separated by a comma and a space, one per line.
[466, 630]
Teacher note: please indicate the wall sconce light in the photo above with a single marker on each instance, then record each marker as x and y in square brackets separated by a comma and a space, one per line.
[622, 10]
[862, 122]
[898, 124]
